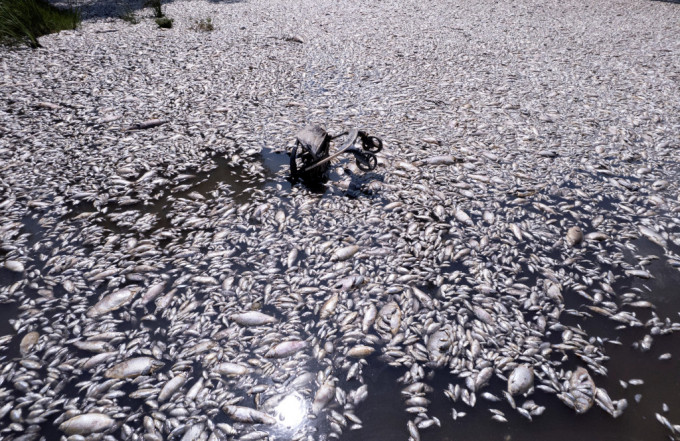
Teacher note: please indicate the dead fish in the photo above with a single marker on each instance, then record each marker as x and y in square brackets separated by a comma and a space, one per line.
[404, 165]
[441, 160]
[517, 231]
[597, 235]
[325, 393]
[113, 301]
[431, 140]
[499, 418]
[248, 415]
[660, 184]
[574, 236]
[163, 301]
[46, 105]
[390, 315]
[14, 265]
[255, 435]
[360, 351]
[329, 306]
[151, 293]
[98, 359]
[252, 318]
[642, 304]
[227, 368]
[582, 389]
[194, 432]
[198, 348]
[653, 236]
[643, 274]
[87, 423]
[422, 297]
[207, 280]
[286, 348]
[345, 253]
[133, 367]
[227, 429]
[520, 380]
[292, 257]
[349, 282]
[489, 396]
[482, 315]
[93, 346]
[109, 118]
[280, 217]
[463, 217]
[413, 431]
[483, 377]
[172, 386]
[28, 342]
[369, 317]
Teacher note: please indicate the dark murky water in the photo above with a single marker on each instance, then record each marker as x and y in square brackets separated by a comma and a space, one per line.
[384, 416]
[222, 173]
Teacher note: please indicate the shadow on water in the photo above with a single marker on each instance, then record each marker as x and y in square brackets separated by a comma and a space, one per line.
[383, 413]
[8, 277]
[663, 288]
[355, 186]
[223, 176]
[8, 311]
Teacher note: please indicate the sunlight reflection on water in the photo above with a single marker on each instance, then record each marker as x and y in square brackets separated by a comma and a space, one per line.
[291, 411]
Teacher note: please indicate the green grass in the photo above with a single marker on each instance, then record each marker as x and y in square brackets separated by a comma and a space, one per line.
[23, 21]
[164, 22]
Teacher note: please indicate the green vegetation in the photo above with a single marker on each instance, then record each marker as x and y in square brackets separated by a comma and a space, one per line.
[23, 21]
[161, 20]
[164, 22]
[157, 10]
[204, 25]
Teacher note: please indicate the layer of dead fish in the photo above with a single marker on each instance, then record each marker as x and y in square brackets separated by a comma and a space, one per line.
[152, 301]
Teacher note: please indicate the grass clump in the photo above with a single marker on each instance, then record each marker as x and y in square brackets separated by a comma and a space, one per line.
[161, 20]
[204, 25]
[23, 21]
[157, 10]
[164, 22]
